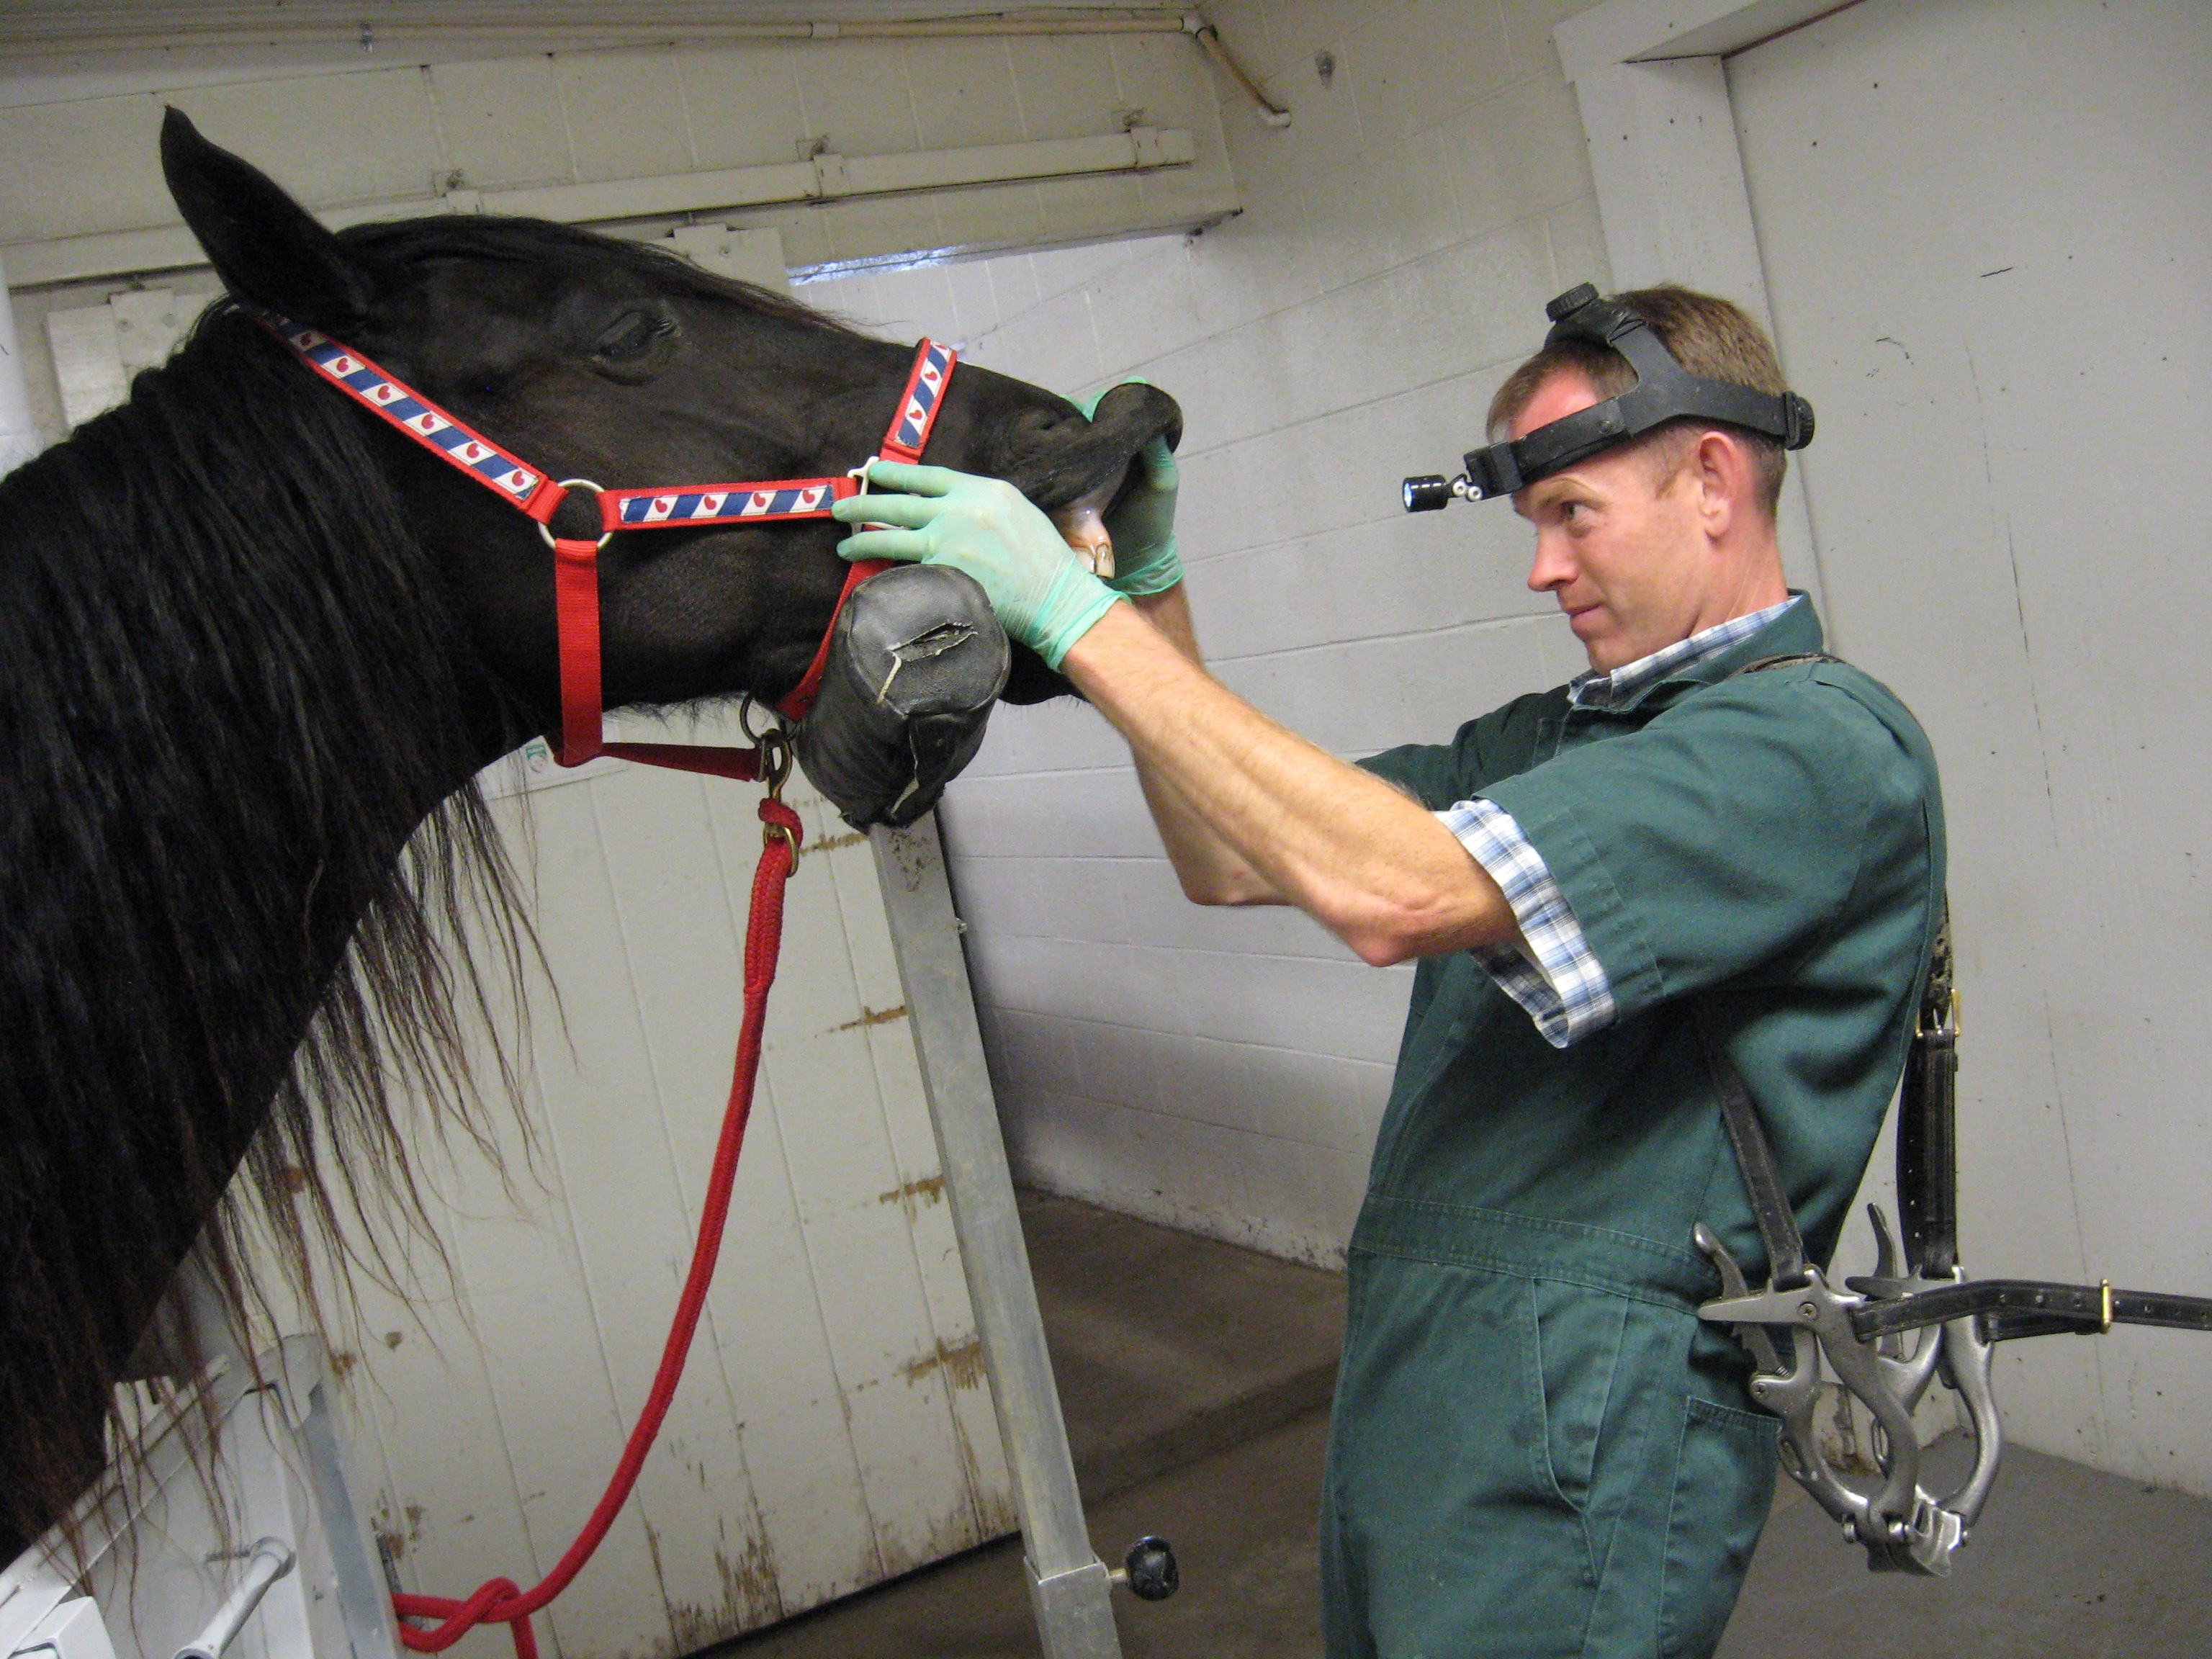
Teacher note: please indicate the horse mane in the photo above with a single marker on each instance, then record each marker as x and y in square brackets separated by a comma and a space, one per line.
[235, 868]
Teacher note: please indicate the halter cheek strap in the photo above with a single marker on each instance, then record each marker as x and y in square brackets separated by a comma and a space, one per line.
[575, 560]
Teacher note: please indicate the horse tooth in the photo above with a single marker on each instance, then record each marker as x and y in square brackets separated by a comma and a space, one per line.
[1082, 529]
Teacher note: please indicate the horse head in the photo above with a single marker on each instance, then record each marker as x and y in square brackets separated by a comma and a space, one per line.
[595, 358]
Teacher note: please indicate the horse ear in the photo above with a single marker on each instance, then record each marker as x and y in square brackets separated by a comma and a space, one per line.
[269, 250]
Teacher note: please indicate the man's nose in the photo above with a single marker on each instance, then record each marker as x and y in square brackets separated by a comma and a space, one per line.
[1552, 568]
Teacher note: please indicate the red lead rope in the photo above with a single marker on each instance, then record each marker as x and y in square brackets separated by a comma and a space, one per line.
[502, 1600]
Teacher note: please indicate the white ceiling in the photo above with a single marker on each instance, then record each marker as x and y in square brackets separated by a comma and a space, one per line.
[49, 25]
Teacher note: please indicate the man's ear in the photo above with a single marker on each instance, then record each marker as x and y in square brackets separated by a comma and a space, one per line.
[1720, 464]
[269, 250]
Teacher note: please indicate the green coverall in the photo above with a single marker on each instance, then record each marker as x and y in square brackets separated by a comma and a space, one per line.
[1537, 1448]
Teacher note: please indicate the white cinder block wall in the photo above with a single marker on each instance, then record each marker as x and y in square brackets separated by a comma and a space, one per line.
[1225, 1070]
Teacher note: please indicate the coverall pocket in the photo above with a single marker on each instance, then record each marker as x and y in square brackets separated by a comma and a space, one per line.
[1577, 1349]
[1724, 1485]
[1446, 1535]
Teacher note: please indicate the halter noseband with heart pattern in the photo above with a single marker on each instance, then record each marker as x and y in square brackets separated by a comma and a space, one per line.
[538, 496]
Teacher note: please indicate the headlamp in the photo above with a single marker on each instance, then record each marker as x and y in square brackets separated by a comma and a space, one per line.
[1664, 391]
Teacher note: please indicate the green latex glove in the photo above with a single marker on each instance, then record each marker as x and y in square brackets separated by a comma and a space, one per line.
[1042, 594]
[1142, 523]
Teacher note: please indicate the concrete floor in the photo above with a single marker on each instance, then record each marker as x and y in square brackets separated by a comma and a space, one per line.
[1195, 1378]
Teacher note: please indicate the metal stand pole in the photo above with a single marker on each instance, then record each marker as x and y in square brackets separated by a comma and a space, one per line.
[1068, 1584]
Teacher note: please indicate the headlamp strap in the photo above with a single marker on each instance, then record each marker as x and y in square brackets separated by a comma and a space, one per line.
[1664, 391]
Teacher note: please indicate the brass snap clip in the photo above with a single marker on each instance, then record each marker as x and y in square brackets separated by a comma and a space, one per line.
[775, 760]
[773, 744]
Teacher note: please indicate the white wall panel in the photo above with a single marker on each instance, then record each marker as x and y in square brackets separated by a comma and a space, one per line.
[81, 154]
[620, 120]
[742, 109]
[834, 1427]
[1225, 1070]
[1985, 229]
[336, 138]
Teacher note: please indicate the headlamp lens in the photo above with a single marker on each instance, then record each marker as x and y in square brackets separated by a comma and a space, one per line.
[1427, 493]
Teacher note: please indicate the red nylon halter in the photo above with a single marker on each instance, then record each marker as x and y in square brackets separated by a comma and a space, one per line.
[575, 564]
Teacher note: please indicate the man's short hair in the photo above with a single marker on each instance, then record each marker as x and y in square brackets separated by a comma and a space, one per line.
[1708, 336]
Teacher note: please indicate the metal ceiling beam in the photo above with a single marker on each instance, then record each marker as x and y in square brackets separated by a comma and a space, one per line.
[52, 30]
[826, 177]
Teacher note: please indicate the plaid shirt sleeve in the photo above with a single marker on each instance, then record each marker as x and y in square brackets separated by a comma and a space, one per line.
[1559, 980]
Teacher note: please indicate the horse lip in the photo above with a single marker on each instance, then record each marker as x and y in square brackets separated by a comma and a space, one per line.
[1052, 478]
[1054, 481]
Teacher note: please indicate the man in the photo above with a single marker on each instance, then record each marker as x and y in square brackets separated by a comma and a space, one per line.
[1613, 888]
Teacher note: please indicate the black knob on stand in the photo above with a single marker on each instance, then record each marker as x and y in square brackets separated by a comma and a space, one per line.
[1149, 1569]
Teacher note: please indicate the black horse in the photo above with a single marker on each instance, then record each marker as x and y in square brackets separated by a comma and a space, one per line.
[257, 645]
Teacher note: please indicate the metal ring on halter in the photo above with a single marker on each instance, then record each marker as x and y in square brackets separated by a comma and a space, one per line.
[598, 490]
[746, 703]
[861, 473]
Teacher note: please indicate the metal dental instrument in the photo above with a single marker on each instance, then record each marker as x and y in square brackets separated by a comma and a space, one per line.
[1856, 1333]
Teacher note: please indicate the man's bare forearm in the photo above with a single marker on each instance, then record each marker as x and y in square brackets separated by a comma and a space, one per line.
[1372, 865]
[1211, 870]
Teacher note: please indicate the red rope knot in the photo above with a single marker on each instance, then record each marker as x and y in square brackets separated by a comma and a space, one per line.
[498, 1600]
[783, 825]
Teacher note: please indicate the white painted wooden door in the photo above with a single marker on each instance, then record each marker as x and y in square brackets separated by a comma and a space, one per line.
[834, 1428]
[1986, 230]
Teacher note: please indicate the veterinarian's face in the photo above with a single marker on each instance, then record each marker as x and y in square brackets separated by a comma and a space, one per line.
[1618, 542]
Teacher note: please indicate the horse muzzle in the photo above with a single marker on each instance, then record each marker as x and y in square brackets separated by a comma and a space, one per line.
[916, 661]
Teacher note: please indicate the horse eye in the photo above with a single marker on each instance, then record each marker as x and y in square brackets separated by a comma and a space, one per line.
[634, 336]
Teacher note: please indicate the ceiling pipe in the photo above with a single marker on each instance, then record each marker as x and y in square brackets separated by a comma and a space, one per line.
[75, 34]
[1272, 114]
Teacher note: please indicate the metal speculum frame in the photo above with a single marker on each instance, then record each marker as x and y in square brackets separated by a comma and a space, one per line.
[1799, 1326]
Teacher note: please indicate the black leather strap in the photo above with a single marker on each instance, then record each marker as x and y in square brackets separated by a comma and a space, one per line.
[2026, 1307]
[1762, 1177]
[1927, 1123]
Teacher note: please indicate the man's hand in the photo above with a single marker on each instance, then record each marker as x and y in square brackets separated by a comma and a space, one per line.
[1142, 521]
[1042, 594]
